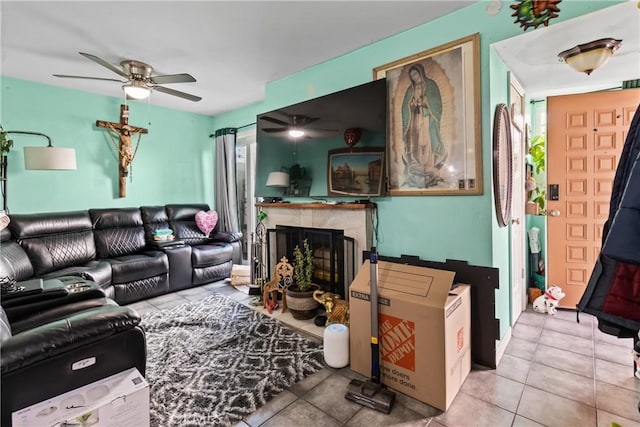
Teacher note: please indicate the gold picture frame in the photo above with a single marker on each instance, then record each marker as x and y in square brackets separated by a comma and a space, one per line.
[433, 116]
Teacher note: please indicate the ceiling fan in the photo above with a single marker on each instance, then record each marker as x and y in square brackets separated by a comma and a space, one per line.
[139, 81]
[297, 126]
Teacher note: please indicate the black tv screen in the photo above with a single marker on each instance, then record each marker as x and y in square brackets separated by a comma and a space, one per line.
[351, 119]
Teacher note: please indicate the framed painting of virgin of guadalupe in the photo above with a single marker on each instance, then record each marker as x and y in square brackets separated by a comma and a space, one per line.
[434, 136]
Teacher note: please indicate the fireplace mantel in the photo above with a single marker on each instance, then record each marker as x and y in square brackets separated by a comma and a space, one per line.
[317, 205]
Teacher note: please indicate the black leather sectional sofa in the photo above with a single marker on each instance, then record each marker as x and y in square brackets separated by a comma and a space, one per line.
[115, 249]
[73, 331]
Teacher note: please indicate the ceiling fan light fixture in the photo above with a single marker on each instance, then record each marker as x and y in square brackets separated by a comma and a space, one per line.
[296, 133]
[136, 90]
[587, 57]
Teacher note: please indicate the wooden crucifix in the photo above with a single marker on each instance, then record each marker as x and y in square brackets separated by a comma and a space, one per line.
[125, 152]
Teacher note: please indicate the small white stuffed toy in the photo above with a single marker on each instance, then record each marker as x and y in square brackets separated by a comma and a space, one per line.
[547, 302]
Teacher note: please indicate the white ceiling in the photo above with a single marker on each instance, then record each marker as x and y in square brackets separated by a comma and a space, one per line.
[533, 56]
[232, 48]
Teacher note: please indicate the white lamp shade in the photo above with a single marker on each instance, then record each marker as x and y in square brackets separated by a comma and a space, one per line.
[278, 179]
[49, 158]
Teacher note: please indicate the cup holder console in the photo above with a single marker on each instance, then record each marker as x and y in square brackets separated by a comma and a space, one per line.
[77, 287]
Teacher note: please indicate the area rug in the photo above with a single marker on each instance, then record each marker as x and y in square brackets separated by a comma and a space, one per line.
[212, 362]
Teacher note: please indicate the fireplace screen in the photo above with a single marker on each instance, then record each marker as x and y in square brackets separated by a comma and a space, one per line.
[333, 254]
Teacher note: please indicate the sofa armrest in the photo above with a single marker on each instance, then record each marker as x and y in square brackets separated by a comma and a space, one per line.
[63, 335]
[158, 245]
[227, 237]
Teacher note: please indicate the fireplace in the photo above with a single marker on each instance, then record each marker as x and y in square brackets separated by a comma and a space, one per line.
[333, 254]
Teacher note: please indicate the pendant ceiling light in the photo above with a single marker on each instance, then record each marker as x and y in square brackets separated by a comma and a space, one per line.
[136, 90]
[587, 57]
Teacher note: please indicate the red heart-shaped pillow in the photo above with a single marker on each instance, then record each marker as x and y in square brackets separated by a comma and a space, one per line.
[206, 221]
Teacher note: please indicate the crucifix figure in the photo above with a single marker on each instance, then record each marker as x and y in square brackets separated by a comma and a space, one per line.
[125, 153]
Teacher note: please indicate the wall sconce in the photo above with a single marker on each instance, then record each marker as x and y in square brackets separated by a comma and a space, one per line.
[39, 158]
[587, 57]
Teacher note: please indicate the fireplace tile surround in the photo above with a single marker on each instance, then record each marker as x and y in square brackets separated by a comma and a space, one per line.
[356, 219]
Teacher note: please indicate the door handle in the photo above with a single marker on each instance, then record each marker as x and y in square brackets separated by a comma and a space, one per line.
[554, 212]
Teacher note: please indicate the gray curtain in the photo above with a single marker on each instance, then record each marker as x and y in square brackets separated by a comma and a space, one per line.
[225, 179]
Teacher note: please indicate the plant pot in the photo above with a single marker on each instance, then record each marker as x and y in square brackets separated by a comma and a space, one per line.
[301, 304]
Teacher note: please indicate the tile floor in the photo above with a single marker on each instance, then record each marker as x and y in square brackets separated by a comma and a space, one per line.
[555, 372]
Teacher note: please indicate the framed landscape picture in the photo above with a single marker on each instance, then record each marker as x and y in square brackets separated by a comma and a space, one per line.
[434, 136]
[357, 172]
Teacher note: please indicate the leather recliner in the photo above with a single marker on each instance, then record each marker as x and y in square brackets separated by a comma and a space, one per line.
[58, 244]
[89, 340]
[136, 271]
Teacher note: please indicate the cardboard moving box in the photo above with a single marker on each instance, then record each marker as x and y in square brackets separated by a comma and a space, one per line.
[121, 400]
[424, 330]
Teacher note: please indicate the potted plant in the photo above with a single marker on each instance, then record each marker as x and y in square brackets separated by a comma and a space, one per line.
[537, 154]
[300, 294]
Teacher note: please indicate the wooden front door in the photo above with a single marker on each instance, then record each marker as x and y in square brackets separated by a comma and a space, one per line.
[586, 133]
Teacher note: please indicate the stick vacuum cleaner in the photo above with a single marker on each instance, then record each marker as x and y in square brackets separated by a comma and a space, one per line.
[372, 393]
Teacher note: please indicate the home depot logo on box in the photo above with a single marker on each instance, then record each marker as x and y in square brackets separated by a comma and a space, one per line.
[398, 341]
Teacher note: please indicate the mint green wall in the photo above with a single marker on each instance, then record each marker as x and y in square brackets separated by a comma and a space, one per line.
[174, 162]
[435, 227]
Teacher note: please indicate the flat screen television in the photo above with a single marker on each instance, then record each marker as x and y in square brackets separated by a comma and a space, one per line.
[349, 125]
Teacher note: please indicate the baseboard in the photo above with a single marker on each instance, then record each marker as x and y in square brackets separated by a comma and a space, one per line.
[501, 345]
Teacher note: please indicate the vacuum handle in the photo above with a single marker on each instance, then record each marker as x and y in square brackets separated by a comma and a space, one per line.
[373, 277]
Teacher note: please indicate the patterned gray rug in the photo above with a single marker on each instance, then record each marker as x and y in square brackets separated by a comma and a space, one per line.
[214, 361]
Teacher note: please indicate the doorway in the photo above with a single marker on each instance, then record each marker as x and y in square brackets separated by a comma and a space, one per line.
[586, 134]
[245, 178]
[517, 227]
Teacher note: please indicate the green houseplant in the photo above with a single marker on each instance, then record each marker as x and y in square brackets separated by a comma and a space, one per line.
[300, 294]
[538, 155]
[5, 143]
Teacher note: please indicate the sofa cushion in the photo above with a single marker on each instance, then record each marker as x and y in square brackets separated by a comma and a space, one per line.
[117, 231]
[182, 220]
[54, 240]
[130, 268]
[96, 271]
[210, 254]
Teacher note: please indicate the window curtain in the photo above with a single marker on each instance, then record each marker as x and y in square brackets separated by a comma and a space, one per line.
[225, 179]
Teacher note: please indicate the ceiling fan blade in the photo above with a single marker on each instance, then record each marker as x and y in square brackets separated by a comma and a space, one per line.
[274, 130]
[177, 93]
[304, 121]
[272, 120]
[104, 64]
[173, 78]
[64, 76]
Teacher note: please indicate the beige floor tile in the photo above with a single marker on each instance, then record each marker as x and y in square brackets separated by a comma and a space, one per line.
[531, 318]
[470, 411]
[302, 387]
[561, 383]
[617, 400]
[606, 419]
[567, 342]
[613, 353]
[399, 414]
[417, 406]
[526, 332]
[513, 368]
[602, 337]
[521, 421]
[564, 360]
[616, 374]
[272, 407]
[555, 411]
[494, 389]
[301, 413]
[567, 327]
[521, 348]
[329, 397]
